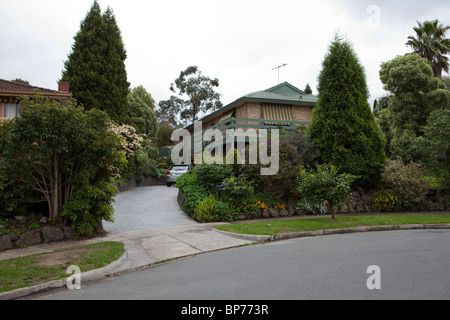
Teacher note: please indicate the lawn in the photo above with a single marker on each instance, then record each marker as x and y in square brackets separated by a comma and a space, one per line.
[272, 228]
[40, 268]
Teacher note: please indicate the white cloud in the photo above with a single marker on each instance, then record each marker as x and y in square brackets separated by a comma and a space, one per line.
[238, 42]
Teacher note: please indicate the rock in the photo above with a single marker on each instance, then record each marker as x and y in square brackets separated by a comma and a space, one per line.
[52, 234]
[30, 237]
[69, 233]
[5, 242]
[32, 217]
[242, 217]
[361, 191]
[299, 212]
[21, 219]
[274, 213]
[343, 209]
[14, 237]
[284, 213]
[266, 214]
[43, 220]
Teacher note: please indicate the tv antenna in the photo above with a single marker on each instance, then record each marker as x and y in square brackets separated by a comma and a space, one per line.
[278, 68]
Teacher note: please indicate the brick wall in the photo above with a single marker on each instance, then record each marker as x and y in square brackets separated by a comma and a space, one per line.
[302, 113]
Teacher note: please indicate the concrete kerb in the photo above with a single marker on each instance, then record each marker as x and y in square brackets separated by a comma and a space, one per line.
[304, 234]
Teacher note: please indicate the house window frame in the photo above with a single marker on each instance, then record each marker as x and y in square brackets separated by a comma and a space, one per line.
[9, 104]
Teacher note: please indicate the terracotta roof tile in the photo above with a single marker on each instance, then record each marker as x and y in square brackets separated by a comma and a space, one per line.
[17, 87]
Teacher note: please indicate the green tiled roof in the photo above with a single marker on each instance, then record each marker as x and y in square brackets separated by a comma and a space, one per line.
[283, 92]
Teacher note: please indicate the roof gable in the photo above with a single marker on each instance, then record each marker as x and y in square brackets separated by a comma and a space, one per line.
[285, 88]
[284, 92]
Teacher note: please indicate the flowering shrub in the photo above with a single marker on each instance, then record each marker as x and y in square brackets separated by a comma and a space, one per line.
[385, 201]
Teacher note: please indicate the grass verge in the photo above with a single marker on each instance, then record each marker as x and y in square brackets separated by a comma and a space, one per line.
[272, 228]
[40, 268]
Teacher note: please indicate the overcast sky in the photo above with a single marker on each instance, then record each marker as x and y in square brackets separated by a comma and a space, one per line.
[238, 42]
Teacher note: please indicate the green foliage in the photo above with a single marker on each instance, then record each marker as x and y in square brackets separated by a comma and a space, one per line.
[196, 93]
[324, 186]
[209, 175]
[385, 201]
[192, 190]
[238, 195]
[415, 94]
[223, 212]
[238, 187]
[89, 205]
[95, 68]
[343, 127]
[60, 152]
[205, 210]
[296, 150]
[164, 136]
[308, 89]
[430, 43]
[406, 182]
[141, 112]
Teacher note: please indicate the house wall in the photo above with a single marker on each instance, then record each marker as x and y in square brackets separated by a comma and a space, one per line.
[254, 111]
[302, 113]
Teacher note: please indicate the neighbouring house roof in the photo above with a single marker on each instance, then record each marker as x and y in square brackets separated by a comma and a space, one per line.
[13, 89]
[284, 93]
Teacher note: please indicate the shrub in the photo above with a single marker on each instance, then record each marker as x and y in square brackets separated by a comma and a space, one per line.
[193, 192]
[209, 175]
[326, 186]
[223, 211]
[406, 182]
[385, 201]
[205, 210]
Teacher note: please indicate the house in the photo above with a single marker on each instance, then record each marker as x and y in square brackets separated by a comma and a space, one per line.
[11, 92]
[282, 106]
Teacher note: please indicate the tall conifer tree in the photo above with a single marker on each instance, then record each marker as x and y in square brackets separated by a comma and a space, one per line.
[343, 126]
[95, 68]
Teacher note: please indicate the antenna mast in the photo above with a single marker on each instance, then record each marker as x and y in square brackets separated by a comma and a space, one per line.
[278, 68]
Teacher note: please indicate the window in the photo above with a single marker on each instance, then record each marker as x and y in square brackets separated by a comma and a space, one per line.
[276, 112]
[12, 110]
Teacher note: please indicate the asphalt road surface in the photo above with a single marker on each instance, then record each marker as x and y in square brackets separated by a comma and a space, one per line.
[411, 265]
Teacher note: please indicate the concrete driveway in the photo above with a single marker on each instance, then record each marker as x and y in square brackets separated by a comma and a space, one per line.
[147, 208]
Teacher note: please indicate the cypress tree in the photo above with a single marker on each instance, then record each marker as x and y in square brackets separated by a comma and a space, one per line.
[343, 126]
[95, 68]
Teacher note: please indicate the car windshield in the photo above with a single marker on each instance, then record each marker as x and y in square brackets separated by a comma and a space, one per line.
[180, 168]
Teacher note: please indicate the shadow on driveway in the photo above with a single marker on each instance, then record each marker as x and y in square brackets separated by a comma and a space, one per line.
[147, 208]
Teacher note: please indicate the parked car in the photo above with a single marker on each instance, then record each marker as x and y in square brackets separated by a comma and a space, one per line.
[175, 172]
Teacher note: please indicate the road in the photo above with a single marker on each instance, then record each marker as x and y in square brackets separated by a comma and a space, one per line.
[413, 265]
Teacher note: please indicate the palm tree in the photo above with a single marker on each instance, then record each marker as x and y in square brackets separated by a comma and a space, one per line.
[432, 45]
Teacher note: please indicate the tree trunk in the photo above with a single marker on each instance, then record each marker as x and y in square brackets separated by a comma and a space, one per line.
[333, 214]
[55, 208]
